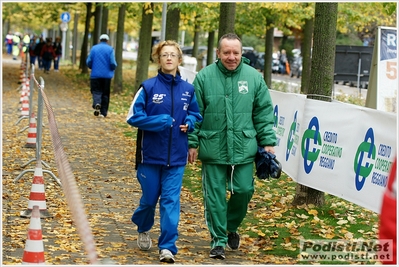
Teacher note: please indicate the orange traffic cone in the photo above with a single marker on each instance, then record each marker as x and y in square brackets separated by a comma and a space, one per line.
[37, 196]
[21, 77]
[25, 106]
[22, 72]
[27, 86]
[31, 141]
[34, 248]
[23, 92]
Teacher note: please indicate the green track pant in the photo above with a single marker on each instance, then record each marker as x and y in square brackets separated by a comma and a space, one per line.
[225, 214]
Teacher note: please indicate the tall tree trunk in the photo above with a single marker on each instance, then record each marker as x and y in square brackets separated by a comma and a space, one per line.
[267, 66]
[118, 79]
[144, 44]
[104, 21]
[7, 27]
[85, 43]
[211, 41]
[306, 52]
[97, 24]
[321, 78]
[323, 58]
[172, 23]
[284, 40]
[75, 38]
[227, 18]
[307, 195]
[197, 30]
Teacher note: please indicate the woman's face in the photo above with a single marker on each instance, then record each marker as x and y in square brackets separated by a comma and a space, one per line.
[169, 59]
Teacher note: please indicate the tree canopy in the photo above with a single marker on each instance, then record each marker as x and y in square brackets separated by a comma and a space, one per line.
[353, 17]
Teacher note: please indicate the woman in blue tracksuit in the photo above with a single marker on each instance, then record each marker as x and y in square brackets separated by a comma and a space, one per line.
[164, 109]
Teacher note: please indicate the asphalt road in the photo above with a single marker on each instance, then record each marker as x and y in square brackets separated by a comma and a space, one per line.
[295, 83]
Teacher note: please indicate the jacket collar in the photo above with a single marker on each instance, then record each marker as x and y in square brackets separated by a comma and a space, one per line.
[226, 71]
[168, 78]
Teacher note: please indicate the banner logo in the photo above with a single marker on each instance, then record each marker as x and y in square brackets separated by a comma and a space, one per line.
[275, 114]
[311, 135]
[291, 136]
[362, 166]
[372, 162]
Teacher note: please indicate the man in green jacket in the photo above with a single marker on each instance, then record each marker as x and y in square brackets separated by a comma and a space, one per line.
[237, 113]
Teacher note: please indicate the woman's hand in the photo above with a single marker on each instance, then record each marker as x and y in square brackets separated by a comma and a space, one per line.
[184, 128]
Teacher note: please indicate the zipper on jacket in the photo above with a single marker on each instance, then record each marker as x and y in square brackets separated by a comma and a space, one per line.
[171, 128]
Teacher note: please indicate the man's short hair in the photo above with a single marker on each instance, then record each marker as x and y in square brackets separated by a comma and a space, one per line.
[229, 36]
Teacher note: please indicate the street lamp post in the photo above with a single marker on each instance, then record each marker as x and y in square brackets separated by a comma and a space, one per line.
[65, 18]
[64, 28]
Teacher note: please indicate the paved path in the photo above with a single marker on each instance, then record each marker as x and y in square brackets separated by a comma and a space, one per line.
[102, 159]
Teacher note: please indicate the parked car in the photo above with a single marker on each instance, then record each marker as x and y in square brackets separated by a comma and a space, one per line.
[188, 50]
[261, 62]
[246, 49]
[252, 56]
[201, 55]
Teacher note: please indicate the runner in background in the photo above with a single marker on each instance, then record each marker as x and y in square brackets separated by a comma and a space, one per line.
[16, 39]
[8, 42]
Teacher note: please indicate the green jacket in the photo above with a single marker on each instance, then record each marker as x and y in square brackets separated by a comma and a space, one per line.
[237, 114]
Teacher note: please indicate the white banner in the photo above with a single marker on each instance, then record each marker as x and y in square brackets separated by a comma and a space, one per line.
[287, 123]
[387, 69]
[342, 149]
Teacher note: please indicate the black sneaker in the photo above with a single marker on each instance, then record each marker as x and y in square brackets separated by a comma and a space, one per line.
[217, 253]
[97, 109]
[233, 241]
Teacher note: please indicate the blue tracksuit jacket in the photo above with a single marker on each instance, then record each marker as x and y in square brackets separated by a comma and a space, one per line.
[161, 105]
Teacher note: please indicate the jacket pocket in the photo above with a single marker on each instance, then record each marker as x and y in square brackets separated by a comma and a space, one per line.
[209, 145]
[246, 144]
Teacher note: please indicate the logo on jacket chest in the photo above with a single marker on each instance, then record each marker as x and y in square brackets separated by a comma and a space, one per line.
[158, 98]
[243, 87]
[185, 98]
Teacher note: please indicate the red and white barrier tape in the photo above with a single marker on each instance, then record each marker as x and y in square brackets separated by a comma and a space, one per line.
[69, 185]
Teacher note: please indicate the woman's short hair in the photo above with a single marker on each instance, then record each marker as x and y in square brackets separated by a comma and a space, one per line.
[156, 49]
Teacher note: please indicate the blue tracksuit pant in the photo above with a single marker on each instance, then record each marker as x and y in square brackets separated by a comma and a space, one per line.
[163, 183]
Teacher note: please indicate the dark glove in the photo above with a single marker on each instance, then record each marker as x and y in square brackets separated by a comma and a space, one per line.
[267, 165]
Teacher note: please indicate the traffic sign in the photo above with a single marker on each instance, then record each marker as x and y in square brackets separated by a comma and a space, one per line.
[65, 17]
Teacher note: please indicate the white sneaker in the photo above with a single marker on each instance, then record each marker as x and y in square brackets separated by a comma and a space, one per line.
[144, 241]
[166, 256]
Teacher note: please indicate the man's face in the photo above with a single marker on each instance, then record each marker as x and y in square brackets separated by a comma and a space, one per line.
[230, 53]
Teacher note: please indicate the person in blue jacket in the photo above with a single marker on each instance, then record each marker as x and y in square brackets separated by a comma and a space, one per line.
[102, 63]
[164, 110]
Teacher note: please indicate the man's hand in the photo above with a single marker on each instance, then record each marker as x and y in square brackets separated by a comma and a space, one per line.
[269, 149]
[192, 155]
